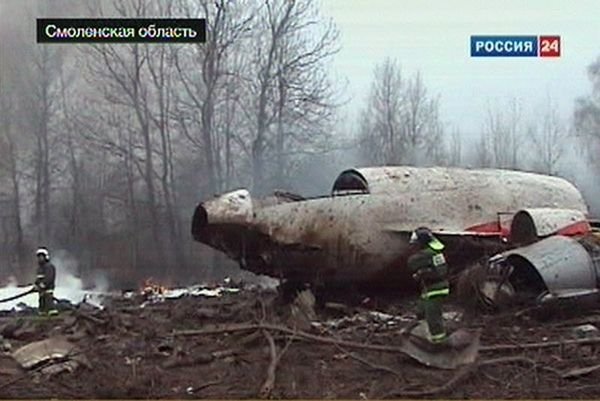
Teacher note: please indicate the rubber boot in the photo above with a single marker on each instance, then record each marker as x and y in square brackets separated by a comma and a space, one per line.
[435, 320]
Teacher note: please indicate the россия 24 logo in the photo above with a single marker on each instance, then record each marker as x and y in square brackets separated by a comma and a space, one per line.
[515, 46]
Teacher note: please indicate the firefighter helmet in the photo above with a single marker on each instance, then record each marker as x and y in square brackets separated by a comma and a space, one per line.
[44, 252]
[421, 235]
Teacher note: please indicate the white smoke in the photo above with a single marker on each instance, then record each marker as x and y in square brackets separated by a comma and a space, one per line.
[101, 283]
[66, 269]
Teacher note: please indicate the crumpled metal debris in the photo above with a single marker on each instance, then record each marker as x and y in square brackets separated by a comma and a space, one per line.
[94, 299]
[452, 316]
[585, 330]
[364, 317]
[461, 348]
[56, 368]
[201, 291]
[195, 291]
[65, 355]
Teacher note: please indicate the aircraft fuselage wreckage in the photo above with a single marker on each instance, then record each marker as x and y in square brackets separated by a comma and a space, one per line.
[358, 235]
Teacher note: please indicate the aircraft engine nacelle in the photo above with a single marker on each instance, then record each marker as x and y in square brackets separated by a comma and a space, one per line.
[529, 225]
[231, 208]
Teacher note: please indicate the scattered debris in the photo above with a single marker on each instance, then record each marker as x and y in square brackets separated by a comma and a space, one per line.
[34, 353]
[242, 345]
[158, 294]
[303, 310]
[585, 331]
[460, 349]
[59, 367]
[203, 291]
[555, 271]
[363, 318]
[59, 354]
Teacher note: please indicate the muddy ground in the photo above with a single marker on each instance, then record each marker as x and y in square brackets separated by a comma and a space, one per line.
[244, 345]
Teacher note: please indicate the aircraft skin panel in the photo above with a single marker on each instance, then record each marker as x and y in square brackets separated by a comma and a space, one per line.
[358, 238]
[530, 224]
[407, 179]
[562, 262]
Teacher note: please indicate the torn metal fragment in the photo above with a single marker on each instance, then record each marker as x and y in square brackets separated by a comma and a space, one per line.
[52, 349]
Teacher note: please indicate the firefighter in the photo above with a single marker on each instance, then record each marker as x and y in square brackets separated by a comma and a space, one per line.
[428, 267]
[44, 282]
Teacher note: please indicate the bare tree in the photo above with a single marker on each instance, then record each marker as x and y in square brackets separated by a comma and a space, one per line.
[10, 164]
[42, 94]
[162, 62]
[288, 80]
[381, 121]
[32, 122]
[228, 24]
[483, 156]
[122, 75]
[401, 121]
[504, 132]
[106, 148]
[587, 116]
[455, 148]
[547, 135]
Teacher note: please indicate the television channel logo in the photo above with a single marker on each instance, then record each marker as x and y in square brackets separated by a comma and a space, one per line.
[515, 46]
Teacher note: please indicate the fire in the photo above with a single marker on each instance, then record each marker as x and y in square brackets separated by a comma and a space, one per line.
[152, 289]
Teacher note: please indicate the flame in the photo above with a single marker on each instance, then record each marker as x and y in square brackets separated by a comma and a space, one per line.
[152, 288]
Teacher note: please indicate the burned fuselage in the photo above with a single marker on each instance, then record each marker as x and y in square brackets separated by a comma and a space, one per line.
[359, 233]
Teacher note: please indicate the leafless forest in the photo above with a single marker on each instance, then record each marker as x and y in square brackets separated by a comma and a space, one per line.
[106, 148]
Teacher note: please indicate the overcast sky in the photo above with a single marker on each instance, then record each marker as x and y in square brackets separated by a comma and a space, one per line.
[433, 36]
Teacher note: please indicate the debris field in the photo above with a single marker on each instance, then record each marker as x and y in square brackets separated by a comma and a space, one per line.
[250, 344]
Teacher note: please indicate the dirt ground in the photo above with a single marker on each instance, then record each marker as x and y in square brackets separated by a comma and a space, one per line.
[244, 345]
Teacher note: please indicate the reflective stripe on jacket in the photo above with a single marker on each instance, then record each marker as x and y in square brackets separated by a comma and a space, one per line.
[429, 267]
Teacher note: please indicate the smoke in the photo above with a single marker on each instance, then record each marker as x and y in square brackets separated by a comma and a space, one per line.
[67, 268]
[100, 282]
[586, 180]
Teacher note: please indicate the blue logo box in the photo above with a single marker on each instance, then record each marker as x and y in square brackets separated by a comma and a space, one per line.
[504, 46]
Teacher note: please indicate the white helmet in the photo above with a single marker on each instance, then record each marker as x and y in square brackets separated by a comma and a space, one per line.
[43, 251]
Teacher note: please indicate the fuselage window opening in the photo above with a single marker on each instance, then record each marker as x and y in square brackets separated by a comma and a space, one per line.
[350, 182]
